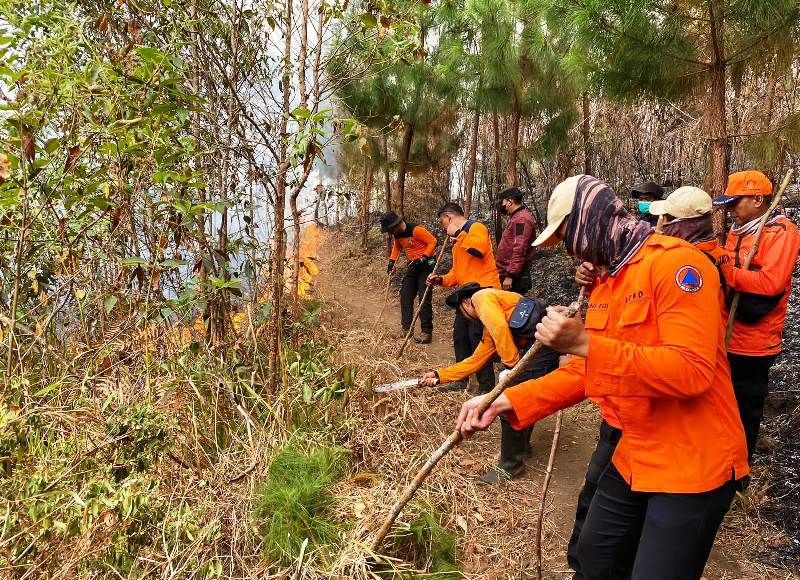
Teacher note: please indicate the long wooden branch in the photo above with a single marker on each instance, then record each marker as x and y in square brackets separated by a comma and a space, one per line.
[455, 437]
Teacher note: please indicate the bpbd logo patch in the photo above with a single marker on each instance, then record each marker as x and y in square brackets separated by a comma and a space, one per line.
[689, 279]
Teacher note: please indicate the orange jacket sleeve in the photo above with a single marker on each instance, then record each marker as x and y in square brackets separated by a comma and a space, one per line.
[777, 259]
[683, 364]
[470, 365]
[536, 399]
[427, 238]
[395, 250]
[478, 239]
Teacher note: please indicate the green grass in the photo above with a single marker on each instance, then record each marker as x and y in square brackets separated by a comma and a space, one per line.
[430, 546]
[294, 503]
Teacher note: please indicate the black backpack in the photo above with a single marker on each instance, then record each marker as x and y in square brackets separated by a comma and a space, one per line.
[527, 314]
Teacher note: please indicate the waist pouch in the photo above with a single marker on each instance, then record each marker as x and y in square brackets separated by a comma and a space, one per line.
[527, 314]
[753, 307]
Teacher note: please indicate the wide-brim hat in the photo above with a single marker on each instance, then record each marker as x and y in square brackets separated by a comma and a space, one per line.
[650, 187]
[558, 207]
[684, 202]
[389, 220]
[461, 293]
[744, 183]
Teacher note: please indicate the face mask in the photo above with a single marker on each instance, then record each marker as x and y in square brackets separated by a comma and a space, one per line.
[644, 207]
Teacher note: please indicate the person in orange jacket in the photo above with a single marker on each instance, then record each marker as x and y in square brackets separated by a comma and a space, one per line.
[473, 261]
[652, 351]
[419, 245]
[764, 291]
[508, 323]
[684, 214]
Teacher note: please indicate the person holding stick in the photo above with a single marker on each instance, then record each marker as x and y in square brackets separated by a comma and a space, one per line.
[419, 245]
[509, 321]
[684, 214]
[473, 261]
[764, 291]
[652, 352]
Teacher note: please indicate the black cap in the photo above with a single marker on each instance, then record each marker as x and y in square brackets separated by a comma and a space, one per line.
[650, 187]
[454, 299]
[389, 220]
[510, 193]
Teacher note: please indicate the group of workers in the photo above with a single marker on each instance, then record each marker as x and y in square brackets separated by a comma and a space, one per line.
[680, 408]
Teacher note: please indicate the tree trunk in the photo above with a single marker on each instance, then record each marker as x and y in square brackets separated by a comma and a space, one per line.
[586, 134]
[402, 166]
[387, 183]
[469, 178]
[715, 121]
[280, 209]
[366, 203]
[513, 147]
[498, 171]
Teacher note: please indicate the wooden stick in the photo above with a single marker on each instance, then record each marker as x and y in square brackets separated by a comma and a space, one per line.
[385, 298]
[753, 249]
[455, 437]
[424, 297]
[545, 485]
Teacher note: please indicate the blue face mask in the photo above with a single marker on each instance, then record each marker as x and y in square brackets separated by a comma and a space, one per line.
[644, 207]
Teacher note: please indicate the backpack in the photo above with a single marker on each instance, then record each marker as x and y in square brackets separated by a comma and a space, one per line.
[527, 314]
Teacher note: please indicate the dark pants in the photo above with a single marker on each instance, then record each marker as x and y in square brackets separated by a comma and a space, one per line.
[750, 376]
[467, 335]
[601, 458]
[675, 531]
[413, 285]
[516, 445]
[521, 283]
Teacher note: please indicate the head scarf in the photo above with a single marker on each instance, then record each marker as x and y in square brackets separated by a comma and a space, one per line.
[599, 228]
[694, 229]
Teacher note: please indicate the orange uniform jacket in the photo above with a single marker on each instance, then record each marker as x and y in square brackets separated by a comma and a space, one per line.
[494, 308]
[770, 274]
[473, 258]
[416, 241]
[657, 360]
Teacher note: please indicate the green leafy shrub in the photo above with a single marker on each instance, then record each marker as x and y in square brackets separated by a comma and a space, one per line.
[142, 434]
[294, 503]
[431, 547]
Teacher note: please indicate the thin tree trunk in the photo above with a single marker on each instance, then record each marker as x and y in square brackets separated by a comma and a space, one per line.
[715, 121]
[402, 166]
[513, 146]
[586, 134]
[498, 171]
[472, 158]
[280, 209]
[370, 171]
[387, 183]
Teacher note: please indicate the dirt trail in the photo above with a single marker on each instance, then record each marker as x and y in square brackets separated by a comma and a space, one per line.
[495, 524]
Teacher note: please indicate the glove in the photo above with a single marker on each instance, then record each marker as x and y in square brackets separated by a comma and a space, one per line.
[503, 374]
[390, 267]
[434, 280]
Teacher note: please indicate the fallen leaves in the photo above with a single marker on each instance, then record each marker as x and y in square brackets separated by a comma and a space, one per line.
[5, 168]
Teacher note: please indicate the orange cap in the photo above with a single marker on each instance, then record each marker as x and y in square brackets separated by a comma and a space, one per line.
[744, 183]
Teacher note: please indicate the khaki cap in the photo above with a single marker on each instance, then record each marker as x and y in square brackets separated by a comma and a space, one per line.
[684, 202]
[558, 207]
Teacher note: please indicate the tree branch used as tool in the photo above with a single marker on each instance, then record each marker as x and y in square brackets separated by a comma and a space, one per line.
[385, 297]
[424, 298]
[455, 437]
[753, 249]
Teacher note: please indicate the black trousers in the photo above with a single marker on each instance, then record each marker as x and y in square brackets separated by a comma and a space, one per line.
[601, 458]
[521, 283]
[516, 445]
[675, 531]
[413, 286]
[750, 376]
[467, 335]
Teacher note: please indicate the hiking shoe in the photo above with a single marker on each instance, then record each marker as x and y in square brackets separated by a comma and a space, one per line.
[499, 475]
[425, 338]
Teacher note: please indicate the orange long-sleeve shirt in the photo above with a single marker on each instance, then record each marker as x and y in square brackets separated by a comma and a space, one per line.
[416, 241]
[494, 308]
[770, 274]
[657, 359]
[473, 258]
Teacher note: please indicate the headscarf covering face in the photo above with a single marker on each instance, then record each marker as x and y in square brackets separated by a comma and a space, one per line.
[599, 228]
[694, 229]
